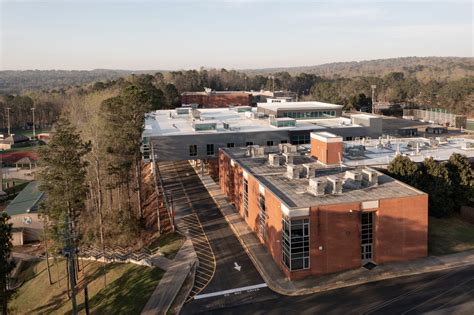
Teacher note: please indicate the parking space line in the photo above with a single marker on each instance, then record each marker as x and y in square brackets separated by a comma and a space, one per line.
[237, 290]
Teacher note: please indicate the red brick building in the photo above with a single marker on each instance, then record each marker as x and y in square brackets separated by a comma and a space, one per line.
[216, 99]
[316, 218]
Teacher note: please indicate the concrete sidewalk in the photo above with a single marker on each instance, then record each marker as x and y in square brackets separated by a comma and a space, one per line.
[169, 286]
[277, 281]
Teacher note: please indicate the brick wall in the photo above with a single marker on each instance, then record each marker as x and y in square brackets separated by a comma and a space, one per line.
[327, 153]
[218, 100]
[213, 168]
[401, 229]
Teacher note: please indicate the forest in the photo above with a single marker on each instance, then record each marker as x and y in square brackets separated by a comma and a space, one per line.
[398, 88]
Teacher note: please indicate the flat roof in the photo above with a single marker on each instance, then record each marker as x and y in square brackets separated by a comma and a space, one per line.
[326, 134]
[365, 116]
[298, 106]
[376, 154]
[293, 192]
[160, 123]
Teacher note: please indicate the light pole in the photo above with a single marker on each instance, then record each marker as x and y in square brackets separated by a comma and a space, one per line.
[273, 83]
[34, 130]
[373, 87]
[8, 119]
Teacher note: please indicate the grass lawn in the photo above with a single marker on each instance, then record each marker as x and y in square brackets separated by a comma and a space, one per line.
[22, 149]
[450, 235]
[168, 244]
[128, 288]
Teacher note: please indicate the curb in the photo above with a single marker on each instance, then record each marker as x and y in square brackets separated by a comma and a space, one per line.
[183, 293]
[332, 286]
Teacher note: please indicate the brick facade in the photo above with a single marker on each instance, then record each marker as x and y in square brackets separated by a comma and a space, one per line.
[327, 153]
[216, 100]
[400, 226]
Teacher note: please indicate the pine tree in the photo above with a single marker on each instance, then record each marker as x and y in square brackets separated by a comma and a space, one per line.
[436, 183]
[62, 178]
[6, 262]
[124, 116]
[404, 169]
[462, 175]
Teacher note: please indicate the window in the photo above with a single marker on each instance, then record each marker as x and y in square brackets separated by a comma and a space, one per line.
[367, 236]
[284, 123]
[270, 143]
[295, 243]
[300, 139]
[210, 149]
[284, 141]
[262, 216]
[193, 151]
[309, 114]
[248, 143]
[230, 145]
[246, 198]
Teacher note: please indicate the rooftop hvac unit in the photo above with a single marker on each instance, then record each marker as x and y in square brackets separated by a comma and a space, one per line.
[316, 186]
[293, 171]
[287, 148]
[255, 151]
[354, 178]
[258, 151]
[335, 184]
[354, 175]
[274, 159]
[467, 146]
[194, 113]
[370, 177]
[310, 169]
[289, 157]
[251, 115]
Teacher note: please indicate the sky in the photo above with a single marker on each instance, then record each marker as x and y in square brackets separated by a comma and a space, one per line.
[231, 34]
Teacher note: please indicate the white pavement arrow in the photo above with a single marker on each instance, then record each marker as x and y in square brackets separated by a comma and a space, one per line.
[236, 266]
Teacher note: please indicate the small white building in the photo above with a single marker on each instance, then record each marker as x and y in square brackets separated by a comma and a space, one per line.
[23, 212]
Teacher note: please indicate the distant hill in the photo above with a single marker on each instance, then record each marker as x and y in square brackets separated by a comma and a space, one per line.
[424, 68]
[17, 81]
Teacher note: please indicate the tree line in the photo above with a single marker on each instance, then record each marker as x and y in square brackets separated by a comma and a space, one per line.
[450, 184]
[164, 90]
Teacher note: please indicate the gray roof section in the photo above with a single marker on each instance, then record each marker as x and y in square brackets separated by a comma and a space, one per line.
[26, 201]
[293, 192]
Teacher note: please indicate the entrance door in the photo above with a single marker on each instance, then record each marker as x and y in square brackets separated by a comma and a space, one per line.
[366, 236]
